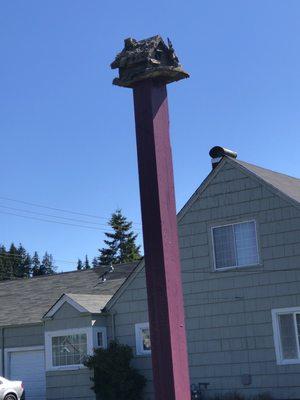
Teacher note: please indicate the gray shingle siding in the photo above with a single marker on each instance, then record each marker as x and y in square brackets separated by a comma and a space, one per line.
[74, 384]
[228, 314]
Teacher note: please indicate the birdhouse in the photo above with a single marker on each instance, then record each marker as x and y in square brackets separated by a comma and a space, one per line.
[147, 59]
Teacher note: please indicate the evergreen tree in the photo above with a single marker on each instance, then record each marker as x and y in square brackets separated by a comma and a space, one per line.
[6, 267]
[121, 246]
[47, 267]
[95, 262]
[36, 265]
[86, 263]
[13, 262]
[79, 265]
[23, 265]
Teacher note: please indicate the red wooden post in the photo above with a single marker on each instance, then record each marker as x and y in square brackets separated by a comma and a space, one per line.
[164, 287]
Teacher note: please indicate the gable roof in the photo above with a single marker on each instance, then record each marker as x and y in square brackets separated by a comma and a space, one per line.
[25, 301]
[84, 303]
[286, 184]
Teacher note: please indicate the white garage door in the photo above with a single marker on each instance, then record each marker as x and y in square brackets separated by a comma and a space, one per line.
[29, 367]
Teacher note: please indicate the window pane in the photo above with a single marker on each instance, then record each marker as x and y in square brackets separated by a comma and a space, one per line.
[246, 243]
[224, 246]
[288, 336]
[69, 350]
[100, 339]
[298, 326]
[146, 339]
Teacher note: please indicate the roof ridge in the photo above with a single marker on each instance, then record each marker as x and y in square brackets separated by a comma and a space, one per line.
[25, 279]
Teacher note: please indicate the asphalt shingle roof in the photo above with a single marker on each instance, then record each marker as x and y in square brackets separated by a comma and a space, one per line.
[286, 184]
[25, 301]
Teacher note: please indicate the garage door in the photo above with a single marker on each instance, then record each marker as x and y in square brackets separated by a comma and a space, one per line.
[29, 367]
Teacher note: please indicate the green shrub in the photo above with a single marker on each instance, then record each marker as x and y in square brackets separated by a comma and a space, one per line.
[114, 377]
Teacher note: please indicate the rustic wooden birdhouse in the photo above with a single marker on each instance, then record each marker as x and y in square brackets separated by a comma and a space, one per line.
[147, 59]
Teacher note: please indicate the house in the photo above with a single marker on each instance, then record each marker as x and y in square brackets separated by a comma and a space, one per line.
[48, 323]
[239, 239]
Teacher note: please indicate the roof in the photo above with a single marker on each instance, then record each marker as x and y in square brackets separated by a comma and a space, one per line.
[92, 303]
[286, 184]
[25, 301]
[84, 303]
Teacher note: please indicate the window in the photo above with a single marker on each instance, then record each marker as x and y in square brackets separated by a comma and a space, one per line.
[235, 245]
[100, 337]
[286, 327]
[142, 339]
[69, 349]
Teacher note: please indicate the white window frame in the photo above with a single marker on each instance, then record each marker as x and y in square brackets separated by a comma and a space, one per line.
[235, 266]
[97, 330]
[139, 339]
[276, 332]
[91, 334]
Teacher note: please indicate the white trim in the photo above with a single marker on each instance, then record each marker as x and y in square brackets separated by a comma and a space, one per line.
[64, 332]
[96, 330]
[9, 350]
[276, 334]
[139, 340]
[64, 299]
[235, 266]
[91, 333]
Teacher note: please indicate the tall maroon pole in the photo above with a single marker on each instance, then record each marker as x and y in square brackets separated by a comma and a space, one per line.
[164, 287]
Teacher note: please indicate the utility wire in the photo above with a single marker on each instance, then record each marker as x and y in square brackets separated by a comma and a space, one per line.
[58, 217]
[58, 209]
[53, 222]
[54, 259]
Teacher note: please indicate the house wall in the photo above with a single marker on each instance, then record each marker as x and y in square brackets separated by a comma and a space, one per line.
[68, 384]
[228, 314]
[19, 336]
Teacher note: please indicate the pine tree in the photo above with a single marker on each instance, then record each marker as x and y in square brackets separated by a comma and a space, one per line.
[36, 265]
[79, 265]
[95, 262]
[6, 267]
[121, 246]
[23, 266]
[13, 262]
[86, 263]
[47, 266]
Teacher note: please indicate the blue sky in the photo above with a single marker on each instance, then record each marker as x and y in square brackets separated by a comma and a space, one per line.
[67, 134]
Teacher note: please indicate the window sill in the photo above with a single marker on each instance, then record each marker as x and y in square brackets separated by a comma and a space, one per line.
[288, 362]
[66, 368]
[143, 355]
[238, 268]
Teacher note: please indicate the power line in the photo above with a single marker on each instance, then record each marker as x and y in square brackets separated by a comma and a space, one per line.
[54, 259]
[59, 209]
[53, 222]
[56, 216]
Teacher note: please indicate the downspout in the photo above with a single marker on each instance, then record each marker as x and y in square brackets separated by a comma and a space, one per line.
[113, 324]
[2, 350]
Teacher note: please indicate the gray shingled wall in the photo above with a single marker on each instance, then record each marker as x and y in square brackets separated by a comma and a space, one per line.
[228, 314]
[71, 385]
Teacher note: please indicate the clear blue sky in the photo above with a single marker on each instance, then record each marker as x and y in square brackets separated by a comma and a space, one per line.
[67, 134]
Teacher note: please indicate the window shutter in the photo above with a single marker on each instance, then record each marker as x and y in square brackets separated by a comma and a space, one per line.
[288, 337]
